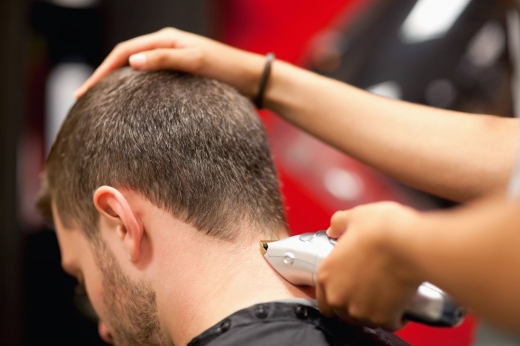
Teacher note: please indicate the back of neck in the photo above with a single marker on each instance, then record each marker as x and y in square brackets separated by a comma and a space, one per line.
[228, 277]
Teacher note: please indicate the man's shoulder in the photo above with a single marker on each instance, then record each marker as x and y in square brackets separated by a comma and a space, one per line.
[289, 323]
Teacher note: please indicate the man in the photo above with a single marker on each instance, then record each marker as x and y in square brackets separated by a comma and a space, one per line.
[160, 186]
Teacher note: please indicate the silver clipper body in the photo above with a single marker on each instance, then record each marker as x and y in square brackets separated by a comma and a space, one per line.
[298, 258]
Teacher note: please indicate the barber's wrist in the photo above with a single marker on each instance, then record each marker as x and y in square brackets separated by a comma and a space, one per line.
[404, 244]
[281, 93]
[249, 67]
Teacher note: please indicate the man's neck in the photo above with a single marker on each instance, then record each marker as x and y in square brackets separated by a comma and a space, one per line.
[217, 278]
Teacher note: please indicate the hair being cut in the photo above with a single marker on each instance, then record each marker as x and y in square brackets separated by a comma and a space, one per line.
[190, 145]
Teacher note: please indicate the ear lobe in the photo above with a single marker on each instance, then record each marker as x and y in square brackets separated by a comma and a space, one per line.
[115, 209]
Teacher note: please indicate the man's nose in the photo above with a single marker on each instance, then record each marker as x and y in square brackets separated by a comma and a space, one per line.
[104, 333]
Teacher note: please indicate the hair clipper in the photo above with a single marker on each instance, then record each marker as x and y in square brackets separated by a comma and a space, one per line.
[298, 258]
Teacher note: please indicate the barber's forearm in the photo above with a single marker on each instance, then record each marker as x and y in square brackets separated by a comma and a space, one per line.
[472, 253]
[443, 152]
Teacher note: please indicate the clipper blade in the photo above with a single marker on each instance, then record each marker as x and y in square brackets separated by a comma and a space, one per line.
[264, 246]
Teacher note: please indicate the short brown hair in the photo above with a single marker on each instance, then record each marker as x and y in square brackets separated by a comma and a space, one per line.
[190, 145]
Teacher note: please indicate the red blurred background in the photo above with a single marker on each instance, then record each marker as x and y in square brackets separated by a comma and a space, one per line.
[287, 28]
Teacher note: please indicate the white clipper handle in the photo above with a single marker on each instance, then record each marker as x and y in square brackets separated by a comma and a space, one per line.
[298, 258]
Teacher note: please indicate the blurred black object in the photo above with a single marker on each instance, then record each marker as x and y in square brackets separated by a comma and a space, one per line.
[51, 316]
[401, 49]
[58, 34]
[11, 80]
[69, 32]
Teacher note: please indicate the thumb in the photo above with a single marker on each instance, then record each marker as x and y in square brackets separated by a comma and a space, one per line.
[338, 223]
[184, 59]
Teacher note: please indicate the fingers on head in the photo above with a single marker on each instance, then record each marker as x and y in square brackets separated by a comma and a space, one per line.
[168, 30]
[119, 56]
[124, 50]
[188, 60]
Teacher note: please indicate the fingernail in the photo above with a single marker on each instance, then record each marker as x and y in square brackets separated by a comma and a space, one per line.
[138, 60]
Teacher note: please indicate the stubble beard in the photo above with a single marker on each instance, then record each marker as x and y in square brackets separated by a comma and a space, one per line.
[130, 307]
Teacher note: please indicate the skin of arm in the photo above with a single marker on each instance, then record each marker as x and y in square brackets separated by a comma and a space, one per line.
[470, 252]
[449, 154]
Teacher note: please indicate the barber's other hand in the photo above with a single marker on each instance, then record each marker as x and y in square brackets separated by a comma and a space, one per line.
[368, 277]
[173, 49]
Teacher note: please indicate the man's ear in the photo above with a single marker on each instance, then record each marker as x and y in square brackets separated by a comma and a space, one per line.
[115, 209]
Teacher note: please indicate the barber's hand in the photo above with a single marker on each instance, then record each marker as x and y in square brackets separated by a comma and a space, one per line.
[173, 49]
[367, 277]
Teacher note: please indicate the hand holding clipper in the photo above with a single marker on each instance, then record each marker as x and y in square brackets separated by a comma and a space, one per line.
[298, 258]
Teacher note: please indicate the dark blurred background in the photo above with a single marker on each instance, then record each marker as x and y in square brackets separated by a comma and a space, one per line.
[456, 54]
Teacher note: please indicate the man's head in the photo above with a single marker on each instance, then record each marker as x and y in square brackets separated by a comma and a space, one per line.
[190, 146]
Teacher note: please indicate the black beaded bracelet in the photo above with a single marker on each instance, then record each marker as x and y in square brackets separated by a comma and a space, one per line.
[259, 99]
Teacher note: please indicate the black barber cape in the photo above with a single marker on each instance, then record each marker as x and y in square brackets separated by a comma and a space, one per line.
[291, 322]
